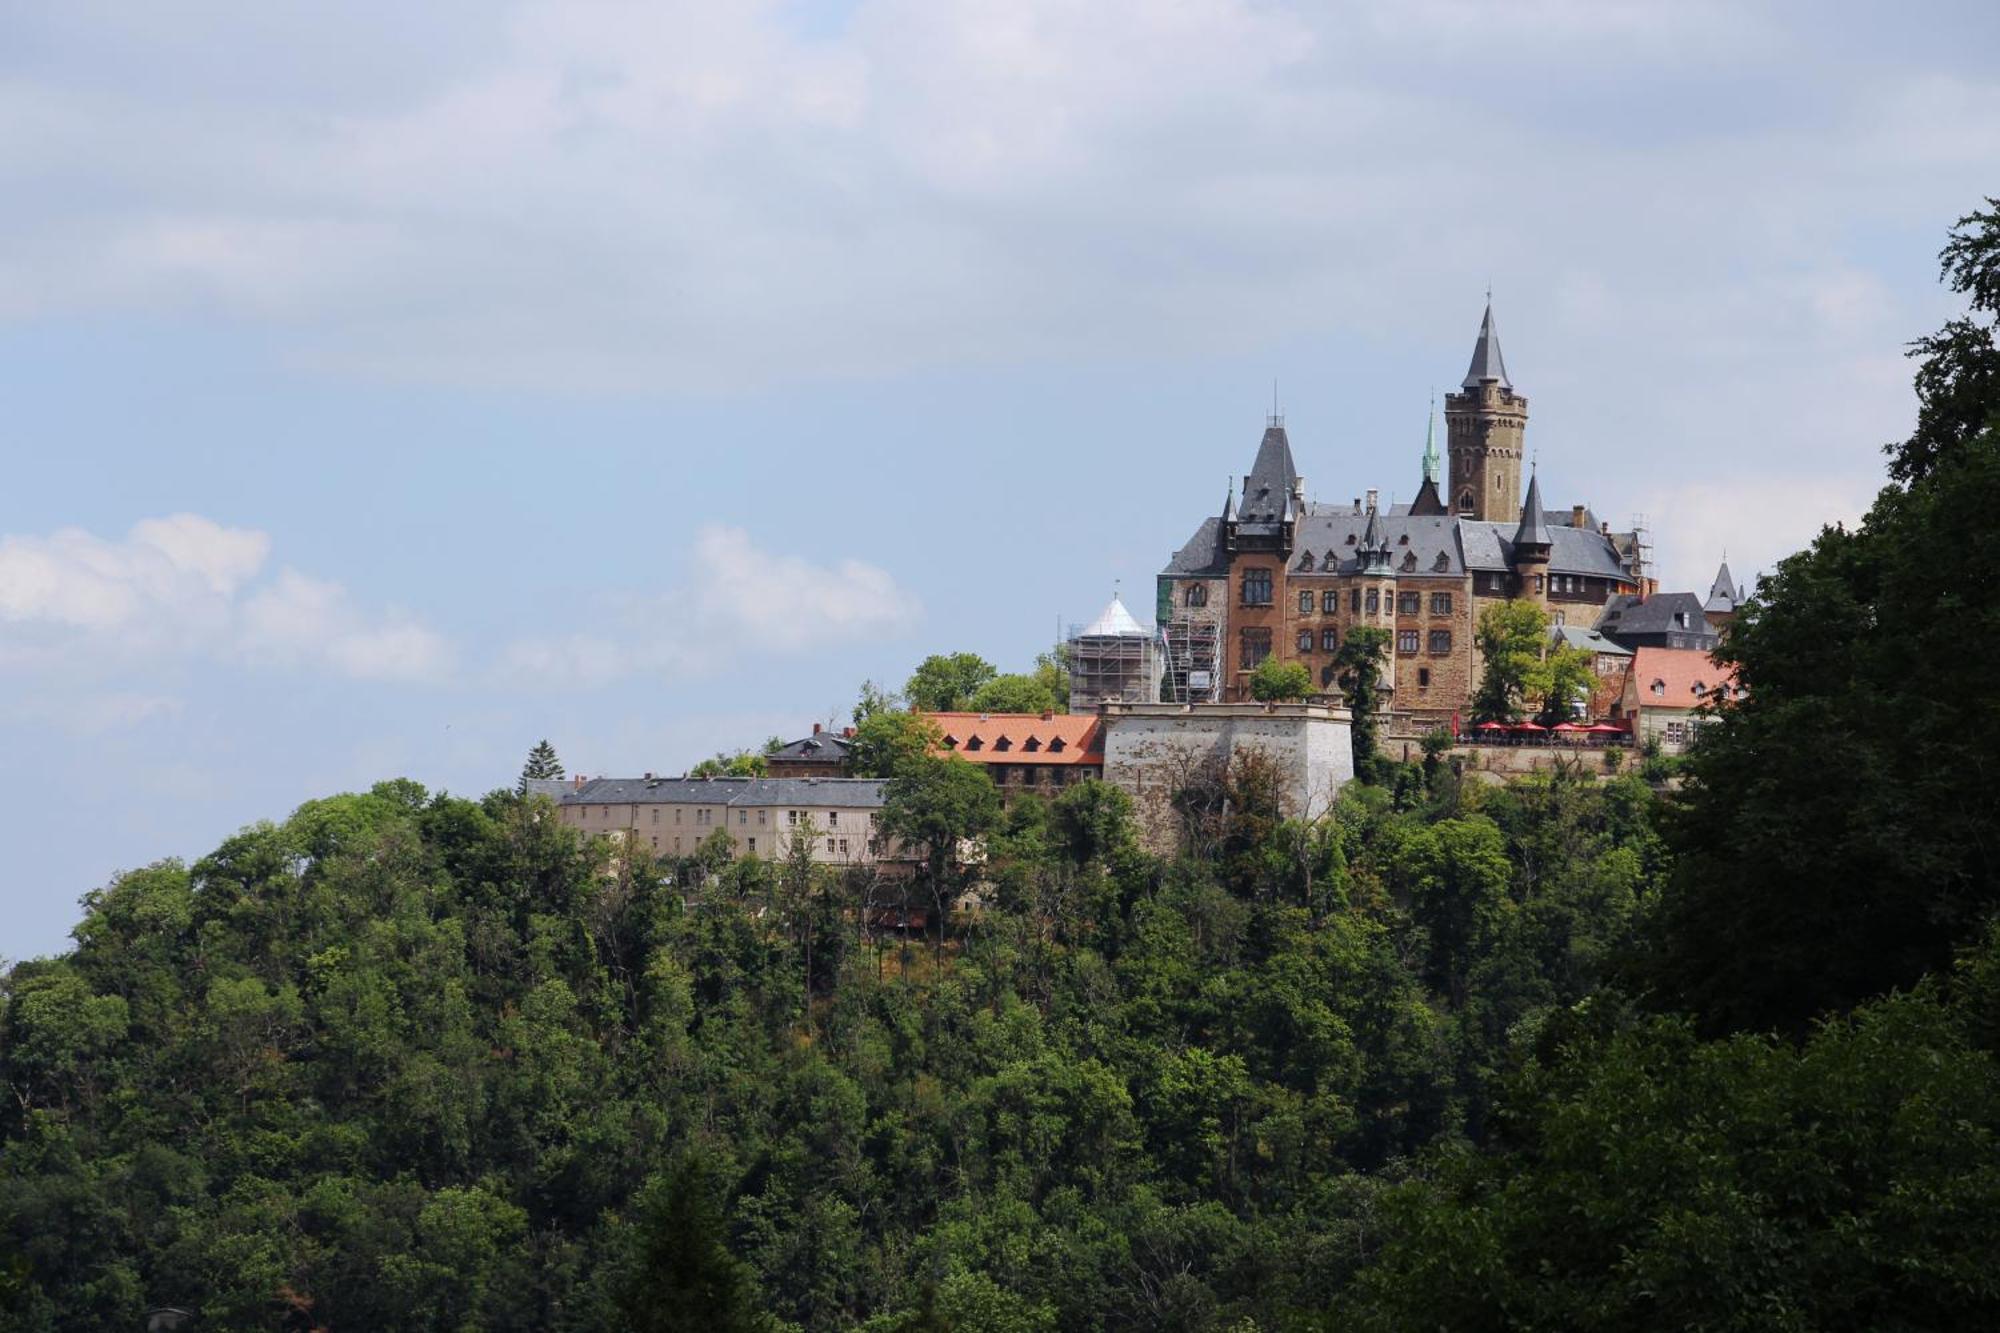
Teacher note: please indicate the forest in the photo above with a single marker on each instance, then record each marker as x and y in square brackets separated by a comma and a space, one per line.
[1581, 1051]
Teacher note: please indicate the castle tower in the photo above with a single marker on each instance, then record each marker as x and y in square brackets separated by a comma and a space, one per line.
[1532, 547]
[1484, 423]
[1429, 504]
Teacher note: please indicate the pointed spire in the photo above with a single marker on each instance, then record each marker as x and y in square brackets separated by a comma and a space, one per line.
[1723, 594]
[1487, 363]
[1534, 528]
[1431, 443]
[1229, 505]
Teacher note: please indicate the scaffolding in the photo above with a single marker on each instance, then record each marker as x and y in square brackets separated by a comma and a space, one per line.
[1113, 659]
[1192, 669]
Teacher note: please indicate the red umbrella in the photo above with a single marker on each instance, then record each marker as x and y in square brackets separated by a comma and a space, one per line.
[1491, 726]
[1606, 729]
[1571, 726]
[1529, 726]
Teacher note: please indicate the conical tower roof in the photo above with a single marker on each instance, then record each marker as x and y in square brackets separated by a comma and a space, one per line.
[1114, 621]
[1534, 528]
[1723, 594]
[1487, 363]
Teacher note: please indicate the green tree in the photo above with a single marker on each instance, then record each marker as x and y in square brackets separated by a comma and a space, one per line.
[1052, 670]
[1358, 669]
[1563, 679]
[542, 766]
[1012, 694]
[675, 1270]
[726, 764]
[1513, 640]
[886, 741]
[1836, 838]
[946, 682]
[936, 807]
[1276, 681]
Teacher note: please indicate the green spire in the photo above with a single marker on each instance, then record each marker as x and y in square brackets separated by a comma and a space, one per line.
[1431, 444]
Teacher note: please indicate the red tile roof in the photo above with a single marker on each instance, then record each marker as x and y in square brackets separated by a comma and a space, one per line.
[1679, 671]
[1022, 738]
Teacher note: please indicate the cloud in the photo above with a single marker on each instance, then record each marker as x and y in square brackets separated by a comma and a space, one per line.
[185, 586]
[738, 599]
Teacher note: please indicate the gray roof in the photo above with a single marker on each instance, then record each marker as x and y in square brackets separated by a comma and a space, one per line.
[1576, 636]
[1571, 550]
[1267, 488]
[1417, 543]
[1534, 528]
[1662, 613]
[1204, 555]
[553, 788]
[829, 745]
[863, 793]
[1487, 363]
[1724, 594]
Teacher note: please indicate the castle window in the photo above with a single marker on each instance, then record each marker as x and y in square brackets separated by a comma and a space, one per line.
[1440, 643]
[1329, 639]
[1306, 561]
[1306, 603]
[1034, 744]
[753, 846]
[1354, 599]
[1256, 646]
[1440, 603]
[1443, 562]
[1374, 601]
[975, 744]
[1329, 562]
[1406, 641]
[1409, 603]
[1057, 745]
[1541, 582]
[1197, 594]
[1403, 540]
[1329, 601]
[1465, 502]
[1003, 744]
[1256, 587]
[1409, 561]
[1305, 640]
[1423, 678]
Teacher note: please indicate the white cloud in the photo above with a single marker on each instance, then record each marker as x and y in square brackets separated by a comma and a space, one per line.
[737, 600]
[185, 586]
[298, 619]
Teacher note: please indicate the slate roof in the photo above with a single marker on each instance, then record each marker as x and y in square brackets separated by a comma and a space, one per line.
[1487, 363]
[1204, 556]
[861, 793]
[1590, 640]
[1662, 613]
[1534, 528]
[1417, 543]
[1267, 490]
[1725, 594]
[821, 746]
[1571, 550]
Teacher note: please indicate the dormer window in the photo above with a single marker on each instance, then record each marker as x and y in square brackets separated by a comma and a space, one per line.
[1057, 746]
[1443, 562]
[1409, 561]
[1306, 562]
[1403, 540]
[1034, 743]
[1699, 689]
[975, 744]
[950, 742]
[1350, 539]
[1003, 744]
[1660, 688]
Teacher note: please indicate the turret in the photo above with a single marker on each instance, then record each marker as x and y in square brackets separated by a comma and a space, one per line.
[1532, 545]
[1484, 425]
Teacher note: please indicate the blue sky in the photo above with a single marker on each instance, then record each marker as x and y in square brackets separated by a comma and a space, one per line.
[383, 388]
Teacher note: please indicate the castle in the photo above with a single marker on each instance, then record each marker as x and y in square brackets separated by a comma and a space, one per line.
[1276, 574]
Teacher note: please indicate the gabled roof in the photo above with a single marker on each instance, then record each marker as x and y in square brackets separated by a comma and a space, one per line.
[1428, 503]
[1487, 363]
[1204, 556]
[1687, 677]
[1114, 621]
[1023, 738]
[1571, 550]
[1590, 640]
[824, 746]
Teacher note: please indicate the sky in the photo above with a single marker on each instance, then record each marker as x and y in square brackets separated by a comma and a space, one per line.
[386, 387]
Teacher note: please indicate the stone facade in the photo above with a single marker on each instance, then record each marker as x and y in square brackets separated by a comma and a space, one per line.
[673, 817]
[1150, 751]
[1282, 576]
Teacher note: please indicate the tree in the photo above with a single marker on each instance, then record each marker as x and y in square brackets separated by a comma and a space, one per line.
[1564, 678]
[1358, 670]
[1837, 835]
[675, 1271]
[1275, 681]
[1512, 638]
[945, 683]
[1052, 670]
[542, 766]
[935, 806]
[724, 764]
[886, 741]
[1012, 694]
[874, 699]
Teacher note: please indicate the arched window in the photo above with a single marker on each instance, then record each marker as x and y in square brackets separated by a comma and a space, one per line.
[1465, 501]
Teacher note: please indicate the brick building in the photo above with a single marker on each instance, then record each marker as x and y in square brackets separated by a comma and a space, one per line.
[1277, 574]
[1042, 752]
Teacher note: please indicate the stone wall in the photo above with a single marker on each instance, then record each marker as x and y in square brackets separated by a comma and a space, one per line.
[1151, 749]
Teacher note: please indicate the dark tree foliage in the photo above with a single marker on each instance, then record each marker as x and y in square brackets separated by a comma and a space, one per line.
[542, 766]
[1840, 826]
[1358, 671]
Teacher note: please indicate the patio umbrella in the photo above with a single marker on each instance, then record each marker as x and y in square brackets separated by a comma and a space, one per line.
[1606, 729]
[1529, 726]
[1491, 726]
[1571, 726]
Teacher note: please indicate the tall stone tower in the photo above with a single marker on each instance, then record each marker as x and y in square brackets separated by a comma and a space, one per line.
[1484, 423]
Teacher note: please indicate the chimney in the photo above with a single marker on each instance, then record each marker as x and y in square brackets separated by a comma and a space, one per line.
[1373, 496]
[1357, 504]
[649, 777]
[1048, 714]
[815, 728]
[1576, 513]
[579, 782]
[847, 733]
